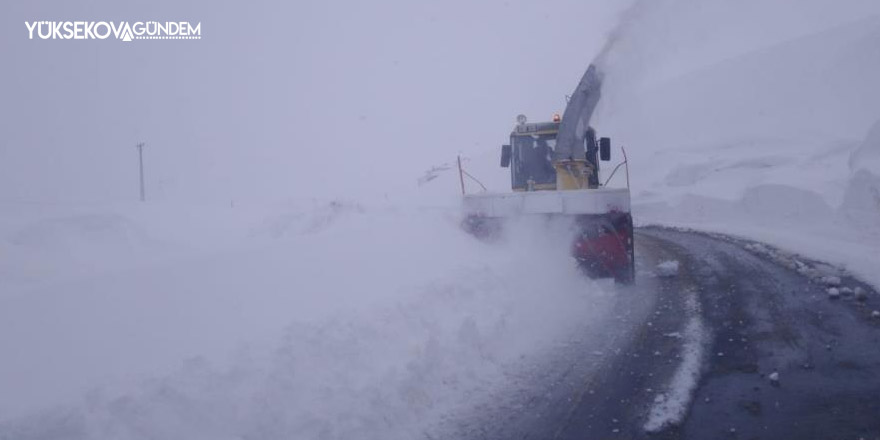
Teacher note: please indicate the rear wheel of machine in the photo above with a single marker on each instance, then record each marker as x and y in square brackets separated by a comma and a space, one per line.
[627, 275]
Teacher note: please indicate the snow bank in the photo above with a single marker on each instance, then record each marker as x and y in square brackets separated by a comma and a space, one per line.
[328, 321]
[861, 201]
[48, 243]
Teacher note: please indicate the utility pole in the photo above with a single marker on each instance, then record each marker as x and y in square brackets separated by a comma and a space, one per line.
[460, 175]
[140, 147]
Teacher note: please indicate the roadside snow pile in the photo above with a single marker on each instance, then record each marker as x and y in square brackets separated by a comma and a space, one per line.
[667, 269]
[830, 281]
[820, 273]
[373, 325]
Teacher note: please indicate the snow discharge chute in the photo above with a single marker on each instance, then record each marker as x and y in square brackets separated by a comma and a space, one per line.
[576, 119]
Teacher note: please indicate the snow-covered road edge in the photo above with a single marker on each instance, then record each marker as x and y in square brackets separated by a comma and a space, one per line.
[671, 407]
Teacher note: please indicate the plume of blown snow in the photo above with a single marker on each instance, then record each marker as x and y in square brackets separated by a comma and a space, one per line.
[373, 325]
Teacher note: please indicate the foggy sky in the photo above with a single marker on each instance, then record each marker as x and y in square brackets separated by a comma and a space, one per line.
[278, 100]
[282, 100]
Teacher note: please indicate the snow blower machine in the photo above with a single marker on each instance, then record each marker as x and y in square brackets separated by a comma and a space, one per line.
[554, 172]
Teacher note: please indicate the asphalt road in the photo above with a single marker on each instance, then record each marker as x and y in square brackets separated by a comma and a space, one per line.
[756, 316]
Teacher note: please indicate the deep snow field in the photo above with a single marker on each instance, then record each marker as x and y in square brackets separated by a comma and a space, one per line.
[319, 320]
